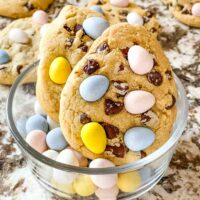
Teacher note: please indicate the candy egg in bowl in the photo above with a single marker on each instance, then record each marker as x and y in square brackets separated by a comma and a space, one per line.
[65, 172]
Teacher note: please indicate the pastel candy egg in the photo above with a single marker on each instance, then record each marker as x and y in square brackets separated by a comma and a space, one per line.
[55, 140]
[19, 36]
[67, 157]
[94, 87]
[196, 9]
[134, 19]
[37, 140]
[4, 57]
[51, 154]
[38, 109]
[129, 182]
[140, 60]
[93, 136]
[40, 17]
[138, 101]
[52, 123]
[59, 70]
[119, 3]
[107, 194]
[96, 8]
[95, 26]
[145, 174]
[83, 185]
[103, 181]
[138, 138]
[21, 126]
[37, 122]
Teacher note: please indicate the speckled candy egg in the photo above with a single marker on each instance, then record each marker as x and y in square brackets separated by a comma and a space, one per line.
[196, 9]
[4, 57]
[96, 8]
[107, 194]
[18, 36]
[134, 19]
[119, 3]
[40, 17]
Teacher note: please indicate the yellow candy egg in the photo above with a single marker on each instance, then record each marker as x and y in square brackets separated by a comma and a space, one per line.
[94, 137]
[84, 186]
[129, 182]
[59, 70]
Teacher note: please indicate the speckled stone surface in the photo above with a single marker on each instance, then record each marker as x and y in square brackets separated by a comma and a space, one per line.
[182, 181]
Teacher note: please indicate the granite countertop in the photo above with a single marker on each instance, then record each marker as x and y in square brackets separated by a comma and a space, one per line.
[182, 180]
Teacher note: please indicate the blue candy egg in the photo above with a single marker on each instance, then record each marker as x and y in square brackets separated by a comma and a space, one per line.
[96, 8]
[55, 140]
[94, 87]
[37, 122]
[139, 138]
[21, 127]
[4, 57]
[95, 26]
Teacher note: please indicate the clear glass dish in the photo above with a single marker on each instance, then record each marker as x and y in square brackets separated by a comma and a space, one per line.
[151, 168]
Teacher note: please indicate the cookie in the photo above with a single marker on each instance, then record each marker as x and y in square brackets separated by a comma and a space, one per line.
[22, 8]
[19, 43]
[115, 14]
[65, 43]
[130, 95]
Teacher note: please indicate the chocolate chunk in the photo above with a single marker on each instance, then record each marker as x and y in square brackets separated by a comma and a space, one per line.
[84, 118]
[99, 2]
[149, 13]
[145, 118]
[91, 66]
[29, 6]
[123, 20]
[121, 68]
[155, 78]
[169, 75]
[112, 107]
[67, 28]
[186, 12]
[77, 28]
[125, 52]
[69, 42]
[172, 103]
[103, 47]
[121, 87]
[143, 154]
[117, 151]
[19, 68]
[111, 131]
[146, 19]
[83, 47]
[123, 12]
[153, 30]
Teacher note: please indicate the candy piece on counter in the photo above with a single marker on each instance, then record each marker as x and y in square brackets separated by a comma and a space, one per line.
[107, 194]
[83, 185]
[119, 3]
[83, 161]
[94, 87]
[129, 182]
[139, 138]
[103, 181]
[134, 19]
[19, 36]
[96, 8]
[21, 126]
[51, 154]
[67, 157]
[43, 29]
[37, 122]
[59, 70]
[55, 140]
[52, 123]
[196, 9]
[93, 136]
[138, 101]
[38, 109]
[4, 57]
[140, 60]
[40, 17]
[37, 140]
[145, 174]
[95, 26]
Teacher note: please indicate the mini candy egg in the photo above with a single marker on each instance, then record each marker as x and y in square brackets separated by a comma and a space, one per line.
[140, 60]
[37, 122]
[55, 140]
[37, 140]
[83, 185]
[52, 123]
[93, 136]
[134, 19]
[83, 161]
[96, 8]
[138, 101]
[21, 126]
[103, 181]
[94, 87]
[95, 26]
[139, 138]
[4, 57]
[129, 182]
[19, 36]
[38, 109]
[196, 9]
[145, 174]
[51, 154]
[40, 17]
[67, 157]
[59, 70]
[107, 194]
[119, 3]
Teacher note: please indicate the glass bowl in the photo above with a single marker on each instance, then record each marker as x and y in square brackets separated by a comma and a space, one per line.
[150, 169]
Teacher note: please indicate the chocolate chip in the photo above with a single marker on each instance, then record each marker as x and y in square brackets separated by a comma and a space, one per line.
[103, 47]
[91, 66]
[143, 154]
[99, 2]
[155, 78]
[77, 28]
[172, 103]
[123, 12]
[125, 52]
[112, 107]
[67, 28]
[121, 87]
[150, 13]
[169, 75]
[19, 68]
[123, 20]
[83, 47]
[84, 118]
[29, 6]
[153, 30]
[186, 12]
[145, 118]
[117, 151]
[146, 19]
[69, 42]
[121, 68]
[111, 131]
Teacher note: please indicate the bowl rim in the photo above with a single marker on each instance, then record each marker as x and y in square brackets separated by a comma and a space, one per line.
[177, 131]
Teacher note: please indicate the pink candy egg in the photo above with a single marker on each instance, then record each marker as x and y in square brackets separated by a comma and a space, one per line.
[107, 194]
[140, 60]
[196, 9]
[103, 181]
[138, 101]
[37, 140]
[119, 3]
[40, 17]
